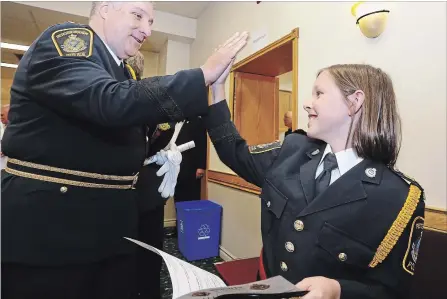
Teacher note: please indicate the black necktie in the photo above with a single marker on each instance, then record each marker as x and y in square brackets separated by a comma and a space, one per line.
[126, 71]
[323, 180]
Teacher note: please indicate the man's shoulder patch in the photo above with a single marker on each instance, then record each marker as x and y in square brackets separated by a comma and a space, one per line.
[262, 148]
[73, 42]
[414, 243]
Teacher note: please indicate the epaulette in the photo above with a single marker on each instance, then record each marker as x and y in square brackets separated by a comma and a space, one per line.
[262, 148]
[75, 41]
[398, 226]
[406, 178]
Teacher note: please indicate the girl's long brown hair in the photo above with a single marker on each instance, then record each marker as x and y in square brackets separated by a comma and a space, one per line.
[377, 133]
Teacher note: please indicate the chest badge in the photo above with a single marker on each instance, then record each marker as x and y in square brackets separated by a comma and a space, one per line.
[164, 126]
[371, 172]
[315, 152]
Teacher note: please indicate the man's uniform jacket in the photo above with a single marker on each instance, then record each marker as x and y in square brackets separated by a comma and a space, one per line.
[76, 142]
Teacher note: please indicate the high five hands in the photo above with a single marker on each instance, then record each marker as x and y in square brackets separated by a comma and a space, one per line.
[218, 65]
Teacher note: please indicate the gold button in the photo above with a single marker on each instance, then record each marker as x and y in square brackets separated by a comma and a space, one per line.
[342, 257]
[269, 204]
[290, 247]
[284, 266]
[64, 189]
[298, 225]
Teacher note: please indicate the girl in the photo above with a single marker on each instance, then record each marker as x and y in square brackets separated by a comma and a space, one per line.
[337, 219]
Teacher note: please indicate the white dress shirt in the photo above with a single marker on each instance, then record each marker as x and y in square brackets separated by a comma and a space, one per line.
[345, 159]
[118, 61]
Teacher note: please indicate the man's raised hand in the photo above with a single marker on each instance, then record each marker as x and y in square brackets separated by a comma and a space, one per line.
[219, 61]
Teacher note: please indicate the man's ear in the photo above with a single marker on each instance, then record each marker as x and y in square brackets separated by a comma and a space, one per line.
[356, 102]
[103, 9]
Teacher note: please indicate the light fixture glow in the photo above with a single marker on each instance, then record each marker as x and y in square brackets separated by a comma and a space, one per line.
[14, 66]
[14, 47]
[371, 18]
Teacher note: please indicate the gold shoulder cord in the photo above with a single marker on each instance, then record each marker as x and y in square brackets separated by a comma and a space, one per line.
[132, 72]
[398, 226]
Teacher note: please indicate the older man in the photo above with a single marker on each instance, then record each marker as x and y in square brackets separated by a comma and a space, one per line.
[76, 142]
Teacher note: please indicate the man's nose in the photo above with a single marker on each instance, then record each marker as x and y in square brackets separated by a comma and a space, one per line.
[146, 29]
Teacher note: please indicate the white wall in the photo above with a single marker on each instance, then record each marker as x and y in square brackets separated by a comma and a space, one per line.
[285, 81]
[174, 57]
[177, 56]
[163, 55]
[150, 64]
[412, 50]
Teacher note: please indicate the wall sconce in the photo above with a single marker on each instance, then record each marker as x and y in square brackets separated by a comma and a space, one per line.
[371, 17]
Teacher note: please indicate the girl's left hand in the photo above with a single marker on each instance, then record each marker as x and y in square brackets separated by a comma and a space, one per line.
[320, 288]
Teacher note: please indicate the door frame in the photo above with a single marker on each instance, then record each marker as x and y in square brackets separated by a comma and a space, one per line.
[231, 180]
[292, 36]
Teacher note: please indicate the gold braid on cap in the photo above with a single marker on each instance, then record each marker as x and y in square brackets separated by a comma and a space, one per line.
[398, 226]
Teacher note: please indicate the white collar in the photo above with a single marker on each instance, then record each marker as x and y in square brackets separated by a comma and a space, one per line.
[345, 159]
[118, 61]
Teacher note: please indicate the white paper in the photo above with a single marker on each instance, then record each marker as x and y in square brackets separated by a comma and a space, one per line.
[185, 278]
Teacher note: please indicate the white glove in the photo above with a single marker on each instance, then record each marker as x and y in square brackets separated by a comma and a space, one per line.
[170, 159]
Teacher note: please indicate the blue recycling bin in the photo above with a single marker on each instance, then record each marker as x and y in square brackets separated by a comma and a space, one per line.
[198, 229]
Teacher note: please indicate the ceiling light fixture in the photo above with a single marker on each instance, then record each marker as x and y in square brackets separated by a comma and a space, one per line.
[14, 47]
[10, 65]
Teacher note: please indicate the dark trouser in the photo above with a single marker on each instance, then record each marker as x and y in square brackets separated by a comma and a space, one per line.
[188, 188]
[151, 232]
[108, 279]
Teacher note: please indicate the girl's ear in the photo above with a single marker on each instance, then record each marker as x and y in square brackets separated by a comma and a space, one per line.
[356, 102]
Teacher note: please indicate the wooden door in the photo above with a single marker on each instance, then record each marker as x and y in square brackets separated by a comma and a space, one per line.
[256, 107]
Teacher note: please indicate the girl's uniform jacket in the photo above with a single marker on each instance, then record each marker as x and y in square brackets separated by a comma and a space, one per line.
[364, 230]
